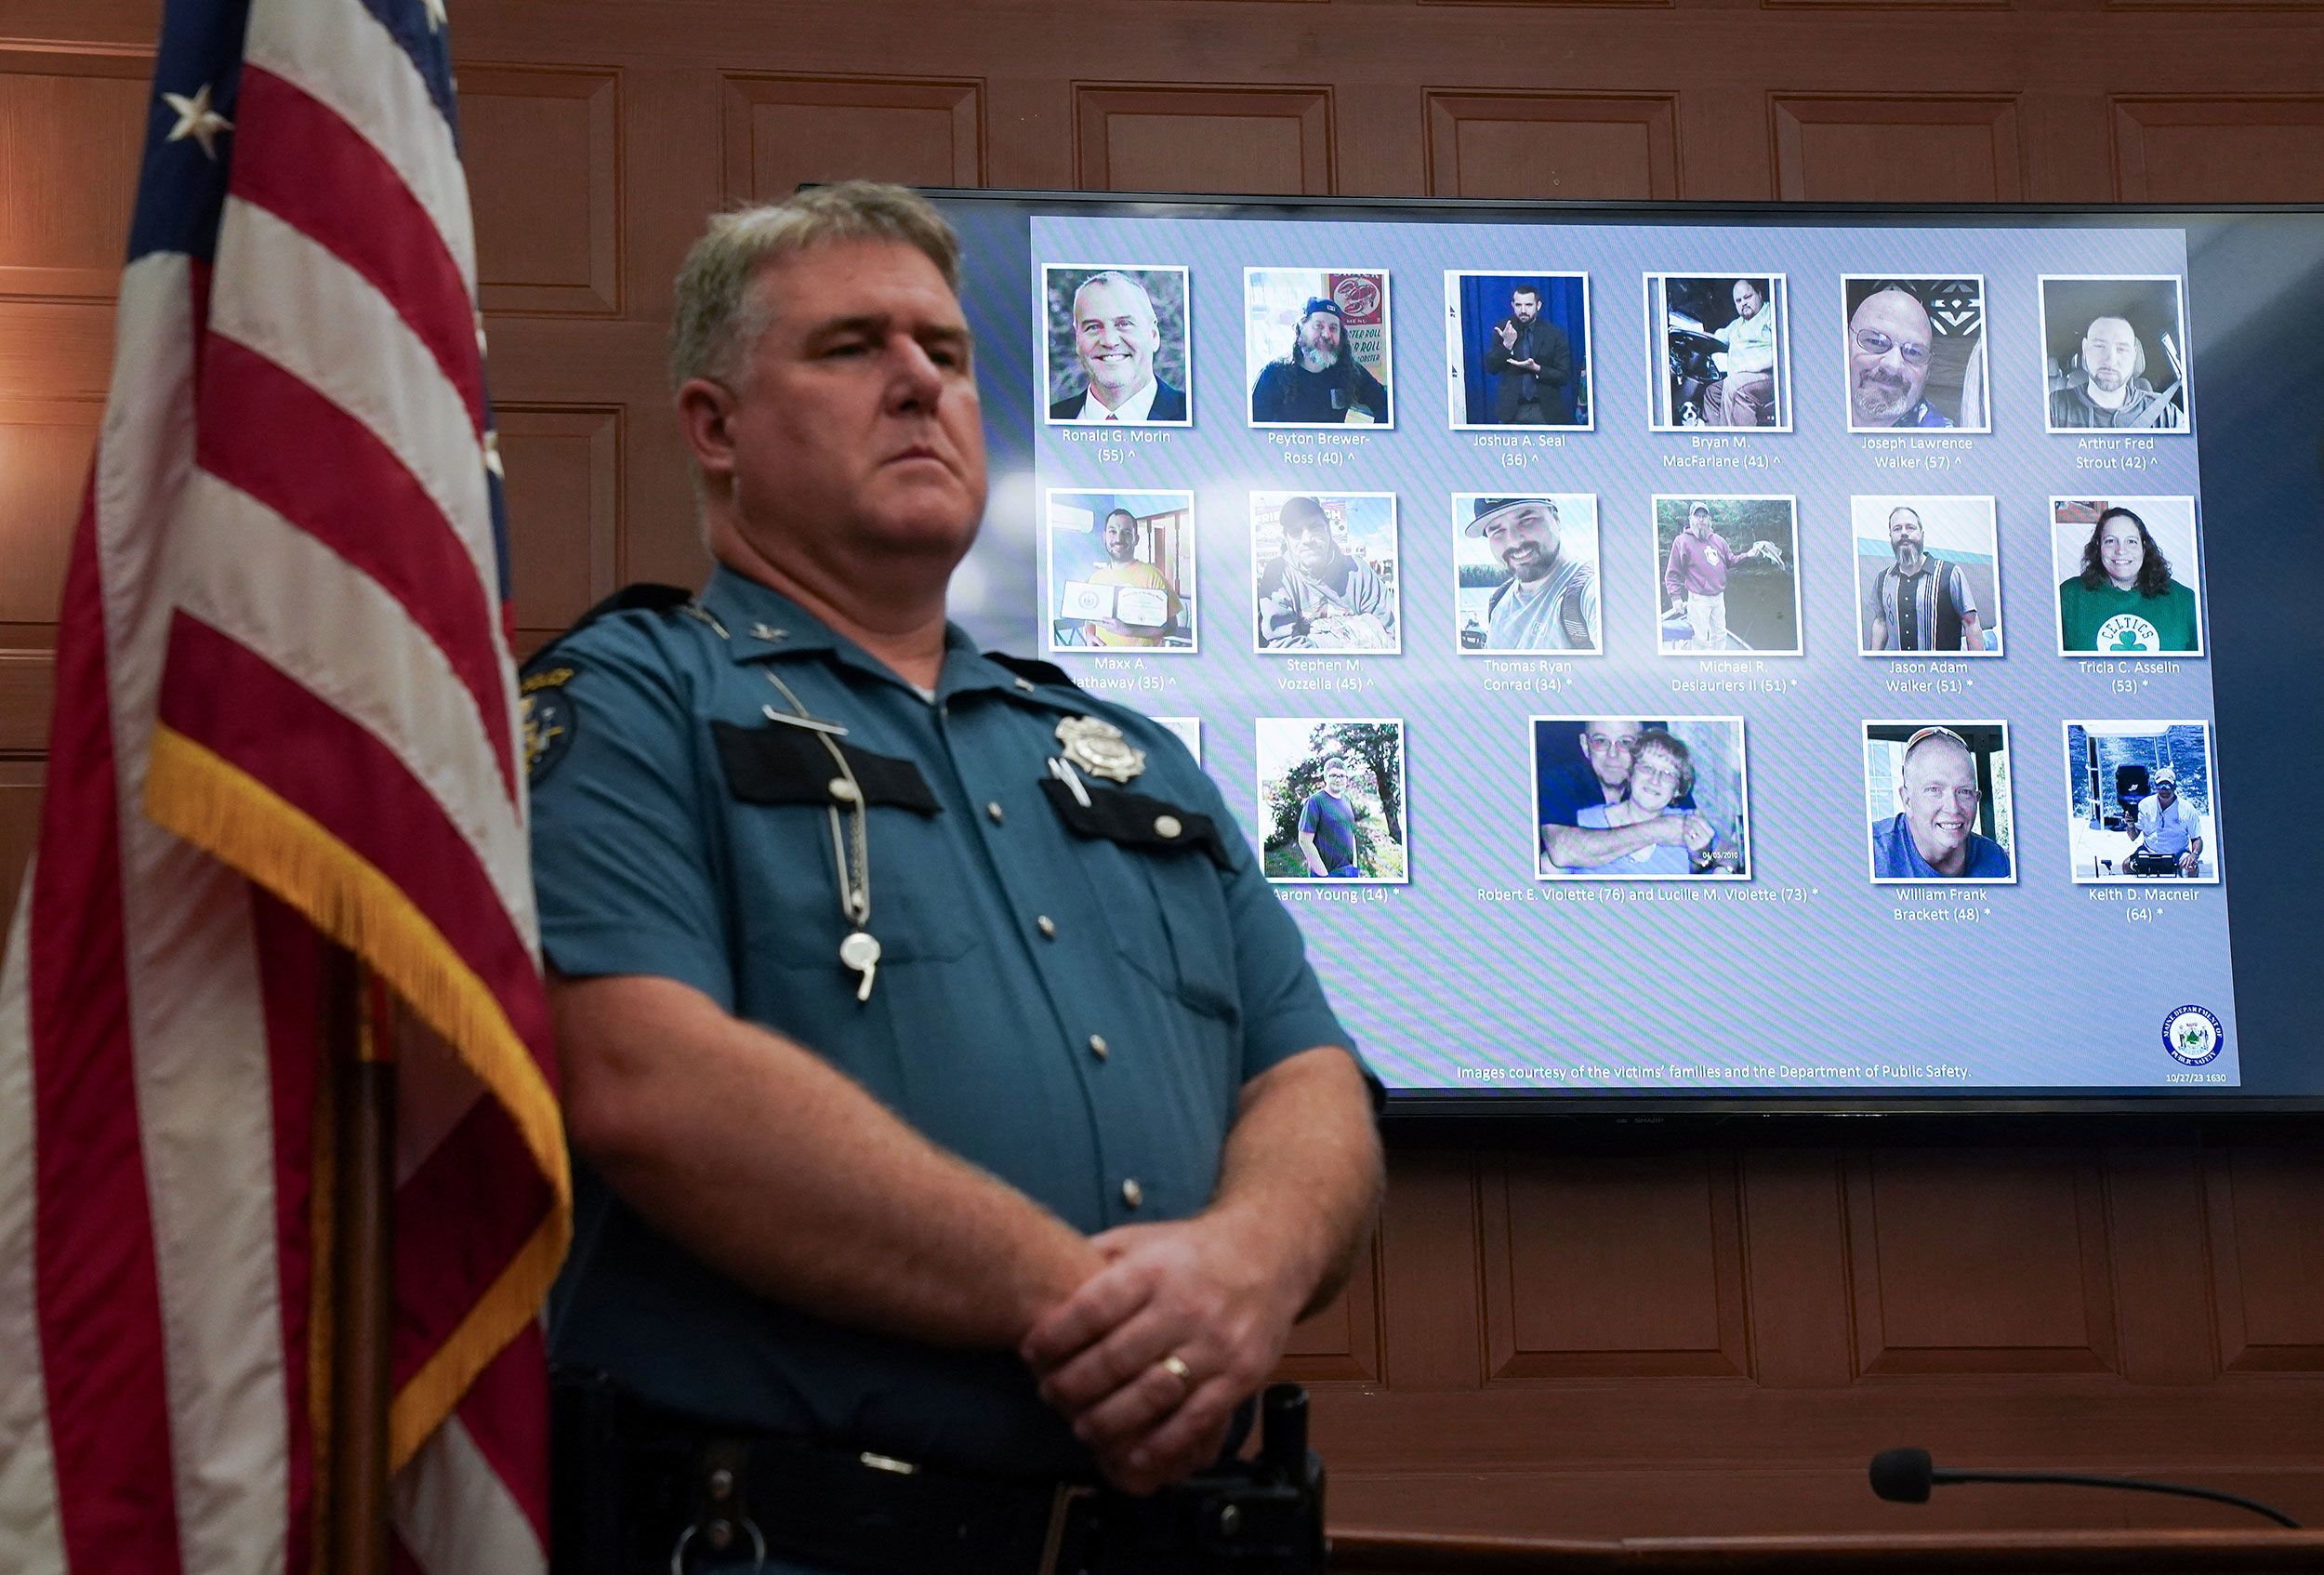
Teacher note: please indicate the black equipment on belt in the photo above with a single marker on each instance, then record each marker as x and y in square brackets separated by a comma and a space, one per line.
[638, 1491]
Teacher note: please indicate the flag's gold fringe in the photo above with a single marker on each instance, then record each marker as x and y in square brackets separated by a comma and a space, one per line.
[428, 1395]
[200, 796]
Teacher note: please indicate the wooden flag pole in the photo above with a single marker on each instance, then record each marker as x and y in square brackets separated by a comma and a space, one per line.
[362, 1248]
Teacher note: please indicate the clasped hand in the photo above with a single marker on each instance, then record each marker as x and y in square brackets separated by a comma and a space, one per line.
[1690, 831]
[1206, 1291]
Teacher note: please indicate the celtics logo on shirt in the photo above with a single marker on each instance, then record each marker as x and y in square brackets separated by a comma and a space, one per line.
[2128, 634]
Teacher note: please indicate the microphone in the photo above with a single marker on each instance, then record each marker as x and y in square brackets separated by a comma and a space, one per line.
[1905, 1476]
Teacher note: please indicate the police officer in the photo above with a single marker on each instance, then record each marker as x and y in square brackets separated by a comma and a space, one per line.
[958, 1126]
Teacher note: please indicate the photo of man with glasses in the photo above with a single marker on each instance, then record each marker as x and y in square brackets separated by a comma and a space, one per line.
[1327, 571]
[1647, 800]
[1916, 354]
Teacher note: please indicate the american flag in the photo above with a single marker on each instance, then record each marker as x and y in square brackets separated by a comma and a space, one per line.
[285, 705]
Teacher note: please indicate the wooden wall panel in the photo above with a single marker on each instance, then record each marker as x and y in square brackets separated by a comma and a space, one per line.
[1553, 145]
[2218, 150]
[71, 130]
[1615, 1266]
[1228, 139]
[1341, 1343]
[2268, 1244]
[19, 828]
[544, 168]
[784, 131]
[27, 683]
[561, 465]
[1432, 1279]
[1913, 149]
[1980, 1262]
[45, 447]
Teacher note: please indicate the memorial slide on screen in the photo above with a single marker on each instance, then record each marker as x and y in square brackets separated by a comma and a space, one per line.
[1679, 660]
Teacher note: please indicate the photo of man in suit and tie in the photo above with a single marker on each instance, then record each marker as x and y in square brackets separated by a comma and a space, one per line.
[1117, 346]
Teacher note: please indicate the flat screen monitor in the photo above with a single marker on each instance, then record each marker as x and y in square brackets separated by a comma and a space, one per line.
[1687, 658]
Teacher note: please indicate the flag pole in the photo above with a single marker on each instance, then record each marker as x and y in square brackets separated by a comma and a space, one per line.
[362, 1247]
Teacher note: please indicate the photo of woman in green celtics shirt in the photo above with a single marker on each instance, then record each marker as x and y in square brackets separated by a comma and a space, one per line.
[2125, 602]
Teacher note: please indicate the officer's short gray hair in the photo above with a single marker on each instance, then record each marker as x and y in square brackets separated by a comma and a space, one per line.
[718, 317]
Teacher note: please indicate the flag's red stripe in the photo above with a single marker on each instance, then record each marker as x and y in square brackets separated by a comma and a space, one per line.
[290, 981]
[97, 1289]
[265, 431]
[229, 700]
[296, 158]
[506, 1411]
[481, 1183]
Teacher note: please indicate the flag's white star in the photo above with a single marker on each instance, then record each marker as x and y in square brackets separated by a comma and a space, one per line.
[436, 18]
[197, 120]
[492, 454]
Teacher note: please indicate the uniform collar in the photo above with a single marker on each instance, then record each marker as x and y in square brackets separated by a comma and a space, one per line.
[761, 624]
[759, 621]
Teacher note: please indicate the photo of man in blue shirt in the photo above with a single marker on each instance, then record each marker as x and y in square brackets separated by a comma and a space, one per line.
[1934, 837]
[1327, 826]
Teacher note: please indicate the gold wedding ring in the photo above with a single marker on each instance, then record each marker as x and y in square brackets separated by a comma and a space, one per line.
[1175, 1365]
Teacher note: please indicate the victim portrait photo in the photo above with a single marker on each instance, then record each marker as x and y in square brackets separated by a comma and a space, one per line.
[2146, 802]
[1327, 572]
[1121, 572]
[1118, 347]
[1517, 349]
[1727, 576]
[2117, 355]
[2129, 577]
[1632, 799]
[1315, 347]
[1526, 574]
[1937, 802]
[1331, 801]
[1928, 579]
[1915, 353]
[1717, 351]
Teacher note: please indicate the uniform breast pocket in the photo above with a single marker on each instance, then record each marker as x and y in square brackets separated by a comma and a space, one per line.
[1156, 866]
[806, 832]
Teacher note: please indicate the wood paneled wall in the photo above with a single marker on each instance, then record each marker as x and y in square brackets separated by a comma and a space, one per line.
[1706, 1339]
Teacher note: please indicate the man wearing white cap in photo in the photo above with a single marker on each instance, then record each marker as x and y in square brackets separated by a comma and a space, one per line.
[1695, 578]
[2169, 829]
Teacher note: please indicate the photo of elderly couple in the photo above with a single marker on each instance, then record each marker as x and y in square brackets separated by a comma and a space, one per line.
[1625, 798]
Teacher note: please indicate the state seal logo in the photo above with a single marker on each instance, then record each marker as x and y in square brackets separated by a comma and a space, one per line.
[550, 720]
[2193, 1035]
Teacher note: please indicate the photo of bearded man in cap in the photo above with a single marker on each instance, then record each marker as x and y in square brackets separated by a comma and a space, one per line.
[1320, 382]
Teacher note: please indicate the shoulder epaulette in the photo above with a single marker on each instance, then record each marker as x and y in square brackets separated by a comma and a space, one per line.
[645, 594]
[1032, 668]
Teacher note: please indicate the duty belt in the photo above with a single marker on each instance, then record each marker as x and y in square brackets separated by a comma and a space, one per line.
[641, 1489]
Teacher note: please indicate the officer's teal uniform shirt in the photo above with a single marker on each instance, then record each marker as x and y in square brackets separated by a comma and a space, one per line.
[1092, 1061]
